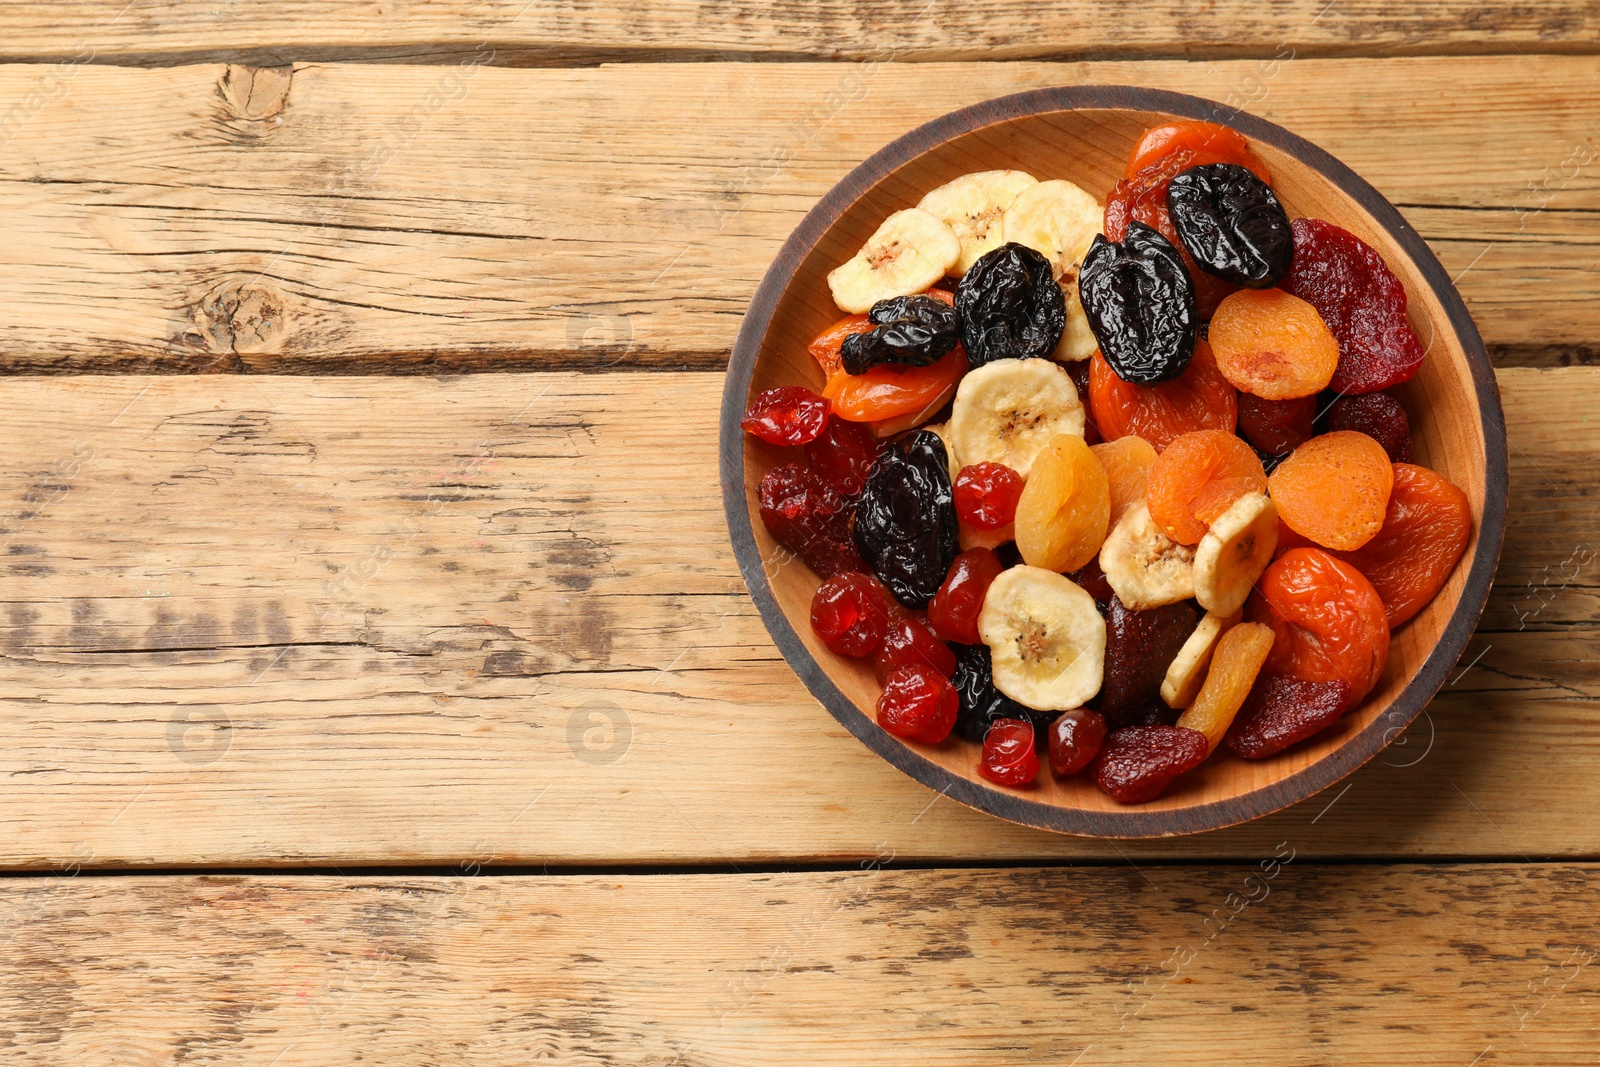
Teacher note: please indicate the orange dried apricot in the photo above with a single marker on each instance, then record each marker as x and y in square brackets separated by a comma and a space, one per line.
[1272, 344]
[1425, 529]
[1234, 665]
[1127, 462]
[1065, 508]
[888, 391]
[1328, 620]
[824, 348]
[1334, 489]
[1198, 399]
[1198, 476]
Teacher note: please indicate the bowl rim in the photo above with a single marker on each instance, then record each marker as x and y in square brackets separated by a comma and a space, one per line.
[1131, 822]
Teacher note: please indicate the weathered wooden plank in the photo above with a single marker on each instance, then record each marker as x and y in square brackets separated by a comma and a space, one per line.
[381, 218]
[1276, 962]
[257, 620]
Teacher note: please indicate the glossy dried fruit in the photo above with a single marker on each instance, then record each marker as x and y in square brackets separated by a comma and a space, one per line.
[1008, 753]
[787, 415]
[1065, 509]
[987, 495]
[825, 347]
[910, 642]
[1362, 302]
[1334, 489]
[1198, 399]
[1127, 463]
[1281, 711]
[1380, 417]
[1197, 478]
[953, 611]
[850, 613]
[1231, 224]
[892, 392]
[806, 515]
[917, 703]
[1195, 143]
[911, 330]
[1272, 344]
[1328, 620]
[1140, 645]
[843, 455]
[1234, 666]
[981, 702]
[1276, 427]
[1138, 763]
[1141, 305]
[1075, 740]
[905, 524]
[1010, 306]
[1425, 530]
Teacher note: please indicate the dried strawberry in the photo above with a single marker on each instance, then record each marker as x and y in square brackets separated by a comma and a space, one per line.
[1281, 711]
[1138, 763]
[1140, 646]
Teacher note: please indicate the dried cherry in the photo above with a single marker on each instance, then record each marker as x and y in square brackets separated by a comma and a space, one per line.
[1380, 417]
[986, 495]
[1281, 711]
[1276, 427]
[1008, 753]
[1140, 646]
[849, 612]
[953, 611]
[917, 703]
[1231, 224]
[1010, 305]
[808, 516]
[905, 523]
[1075, 740]
[1140, 303]
[1138, 763]
[844, 454]
[912, 330]
[909, 642]
[981, 703]
[787, 415]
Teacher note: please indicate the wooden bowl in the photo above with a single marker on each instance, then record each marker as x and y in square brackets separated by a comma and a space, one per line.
[1084, 134]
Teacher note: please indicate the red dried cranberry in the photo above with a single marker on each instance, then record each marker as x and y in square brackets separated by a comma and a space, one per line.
[848, 613]
[806, 515]
[1276, 427]
[987, 495]
[1075, 740]
[844, 454]
[953, 611]
[1008, 756]
[1380, 417]
[1282, 711]
[787, 415]
[907, 642]
[1137, 763]
[917, 703]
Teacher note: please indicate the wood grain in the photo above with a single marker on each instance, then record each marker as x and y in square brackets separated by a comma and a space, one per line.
[1271, 963]
[272, 620]
[394, 219]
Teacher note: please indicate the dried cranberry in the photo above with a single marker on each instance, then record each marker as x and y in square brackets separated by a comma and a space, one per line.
[1380, 417]
[907, 642]
[1092, 580]
[1140, 646]
[1361, 301]
[1276, 427]
[848, 613]
[1137, 763]
[917, 703]
[1008, 756]
[1282, 711]
[1075, 740]
[987, 495]
[844, 454]
[787, 415]
[953, 611]
[810, 518]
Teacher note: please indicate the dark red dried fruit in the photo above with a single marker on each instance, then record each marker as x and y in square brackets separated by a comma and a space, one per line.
[953, 611]
[908, 642]
[1362, 303]
[1075, 740]
[844, 453]
[809, 517]
[1276, 427]
[987, 495]
[787, 415]
[1380, 417]
[917, 703]
[1093, 581]
[1008, 755]
[1282, 711]
[1140, 646]
[848, 612]
[1137, 763]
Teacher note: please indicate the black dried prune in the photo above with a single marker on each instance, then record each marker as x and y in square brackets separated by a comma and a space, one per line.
[1231, 224]
[910, 330]
[1140, 646]
[1139, 300]
[981, 702]
[1010, 305]
[905, 524]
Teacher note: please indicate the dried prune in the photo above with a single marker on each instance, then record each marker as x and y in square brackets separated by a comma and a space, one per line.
[917, 703]
[1140, 645]
[1276, 427]
[1140, 303]
[1231, 224]
[1380, 417]
[905, 524]
[787, 415]
[909, 642]
[981, 702]
[1138, 763]
[1008, 755]
[1281, 711]
[987, 495]
[953, 611]
[843, 454]
[1075, 740]
[1362, 302]
[1010, 306]
[911, 330]
[808, 516]
[849, 613]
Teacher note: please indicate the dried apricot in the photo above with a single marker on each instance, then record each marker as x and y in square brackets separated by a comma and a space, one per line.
[1277, 427]
[890, 391]
[1328, 619]
[1127, 462]
[1282, 711]
[1065, 508]
[1425, 530]
[1208, 142]
[1334, 489]
[1272, 344]
[1234, 666]
[1196, 479]
[1198, 399]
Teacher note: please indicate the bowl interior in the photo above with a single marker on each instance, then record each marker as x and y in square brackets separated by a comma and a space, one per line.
[1089, 146]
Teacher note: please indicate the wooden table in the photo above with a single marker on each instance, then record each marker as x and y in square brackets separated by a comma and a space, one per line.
[379, 683]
